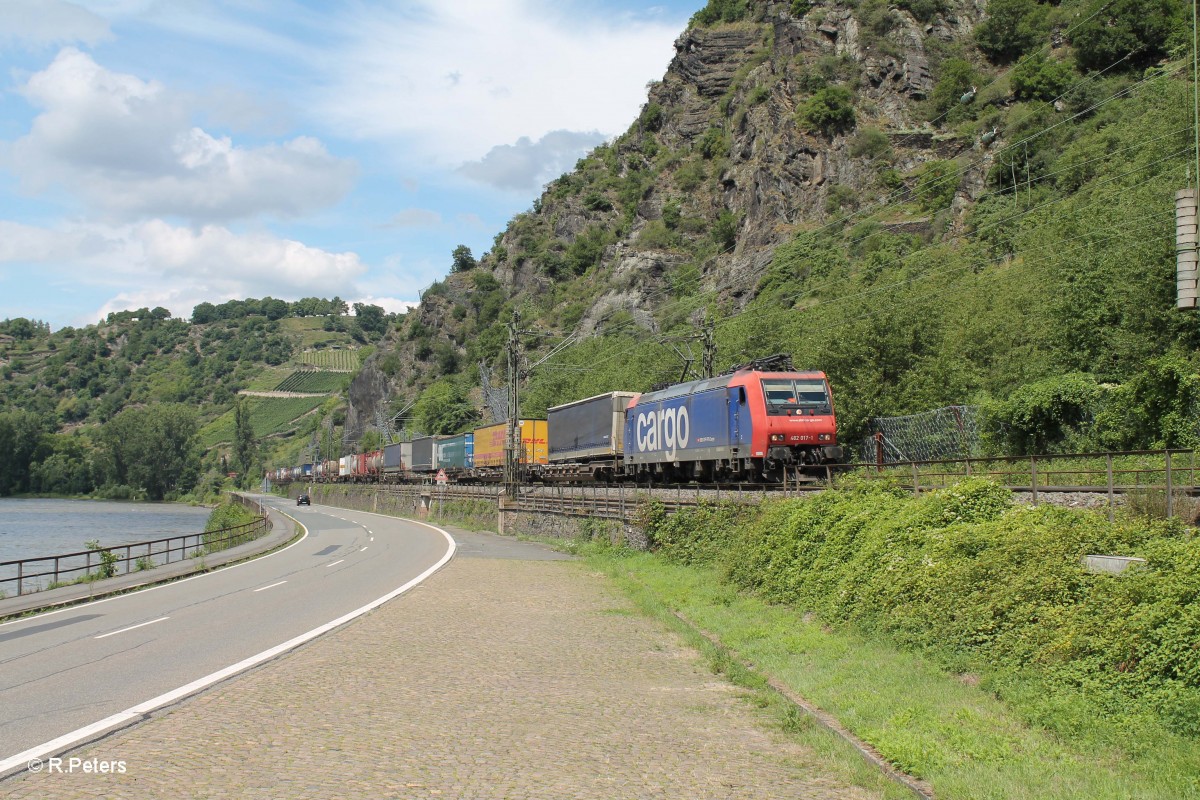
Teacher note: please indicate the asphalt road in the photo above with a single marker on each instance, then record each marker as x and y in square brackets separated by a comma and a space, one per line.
[89, 668]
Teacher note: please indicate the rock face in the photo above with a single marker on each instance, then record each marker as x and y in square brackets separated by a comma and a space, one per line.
[369, 392]
[720, 141]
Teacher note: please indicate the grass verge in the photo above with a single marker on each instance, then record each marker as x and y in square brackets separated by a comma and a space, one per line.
[943, 728]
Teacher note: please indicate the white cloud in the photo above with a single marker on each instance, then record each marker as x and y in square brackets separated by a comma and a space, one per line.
[42, 22]
[177, 267]
[522, 68]
[128, 149]
[527, 165]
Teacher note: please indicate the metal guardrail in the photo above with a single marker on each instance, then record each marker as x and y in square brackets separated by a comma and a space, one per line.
[56, 567]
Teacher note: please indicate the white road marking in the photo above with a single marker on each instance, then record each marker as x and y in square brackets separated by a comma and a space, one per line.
[131, 627]
[361, 549]
[272, 586]
[334, 564]
[66, 740]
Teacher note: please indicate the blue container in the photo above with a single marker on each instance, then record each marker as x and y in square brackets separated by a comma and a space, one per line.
[698, 421]
[456, 452]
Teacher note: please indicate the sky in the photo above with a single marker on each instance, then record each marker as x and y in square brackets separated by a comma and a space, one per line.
[169, 152]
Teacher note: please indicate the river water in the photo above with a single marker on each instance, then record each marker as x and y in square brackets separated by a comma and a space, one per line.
[32, 528]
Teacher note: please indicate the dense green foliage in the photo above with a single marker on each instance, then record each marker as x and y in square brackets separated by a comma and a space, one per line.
[829, 111]
[983, 586]
[100, 409]
[722, 11]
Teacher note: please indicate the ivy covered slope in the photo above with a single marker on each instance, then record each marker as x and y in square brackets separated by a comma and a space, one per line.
[142, 404]
[934, 201]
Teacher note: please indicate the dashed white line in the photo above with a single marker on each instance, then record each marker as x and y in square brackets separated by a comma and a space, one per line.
[334, 564]
[130, 714]
[131, 627]
[272, 586]
[362, 548]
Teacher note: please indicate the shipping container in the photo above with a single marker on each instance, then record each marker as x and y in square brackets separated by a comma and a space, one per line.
[392, 462]
[306, 470]
[456, 452]
[345, 466]
[423, 454]
[489, 443]
[588, 430]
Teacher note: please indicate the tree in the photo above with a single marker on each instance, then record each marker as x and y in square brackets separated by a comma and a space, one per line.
[372, 319]
[1012, 28]
[204, 313]
[153, 449]
[1143, 28]
[244, 443]
[463, 260]
[444, 408]
[20, 434]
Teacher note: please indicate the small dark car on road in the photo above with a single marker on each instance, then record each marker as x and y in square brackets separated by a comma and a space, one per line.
[303, 500]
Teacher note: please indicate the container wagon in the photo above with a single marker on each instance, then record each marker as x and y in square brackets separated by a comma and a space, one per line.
[586, 438]
[489, 449]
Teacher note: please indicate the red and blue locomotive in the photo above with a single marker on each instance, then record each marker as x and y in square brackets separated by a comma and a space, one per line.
[749, 425]
[760, 422]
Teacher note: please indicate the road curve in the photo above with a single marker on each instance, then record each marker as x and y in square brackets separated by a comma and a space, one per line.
[67, 676]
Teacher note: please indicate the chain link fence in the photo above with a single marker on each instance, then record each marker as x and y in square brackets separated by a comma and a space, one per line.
[950, 432]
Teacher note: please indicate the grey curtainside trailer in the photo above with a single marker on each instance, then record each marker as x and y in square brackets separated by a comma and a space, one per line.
[589, 430]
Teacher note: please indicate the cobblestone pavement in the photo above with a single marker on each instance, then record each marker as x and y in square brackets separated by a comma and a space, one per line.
[494, 679]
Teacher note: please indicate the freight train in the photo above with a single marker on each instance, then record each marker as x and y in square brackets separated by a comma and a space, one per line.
[759, 423]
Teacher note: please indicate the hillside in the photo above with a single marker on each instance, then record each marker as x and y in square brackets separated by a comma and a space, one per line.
[66, 394]
[935, 201]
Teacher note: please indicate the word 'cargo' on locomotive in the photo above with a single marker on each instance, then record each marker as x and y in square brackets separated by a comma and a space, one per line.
[749, 425]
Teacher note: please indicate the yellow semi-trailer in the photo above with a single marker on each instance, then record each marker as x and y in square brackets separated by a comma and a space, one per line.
[489, 444]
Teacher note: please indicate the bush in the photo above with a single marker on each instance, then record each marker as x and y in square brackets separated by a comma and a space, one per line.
[1145, 28]
[870, 143]
[956, 79]
[1012, 28]
[981, 585]
[829, 111]
[722, 11]
[713, 144]
[724, 230]
[937, 185]
[1042, 417]
[653, 117]
[1040, 78]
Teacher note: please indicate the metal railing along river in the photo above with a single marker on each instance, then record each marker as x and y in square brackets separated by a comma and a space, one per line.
[29, 575]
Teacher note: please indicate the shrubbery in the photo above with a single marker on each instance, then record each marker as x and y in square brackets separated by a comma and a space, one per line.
[829, 111]
[981, 584]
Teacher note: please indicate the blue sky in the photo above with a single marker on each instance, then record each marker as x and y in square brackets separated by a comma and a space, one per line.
[166, 152]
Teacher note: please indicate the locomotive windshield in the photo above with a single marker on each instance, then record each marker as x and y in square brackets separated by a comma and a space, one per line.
[796, 396]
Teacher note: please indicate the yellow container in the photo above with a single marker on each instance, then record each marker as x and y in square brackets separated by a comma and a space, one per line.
[489, 443]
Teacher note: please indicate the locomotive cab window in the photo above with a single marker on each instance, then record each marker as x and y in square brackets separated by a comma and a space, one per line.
[796, 396]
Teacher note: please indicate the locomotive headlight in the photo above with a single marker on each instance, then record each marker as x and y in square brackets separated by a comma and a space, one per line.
[777, 437]
[824, 437]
